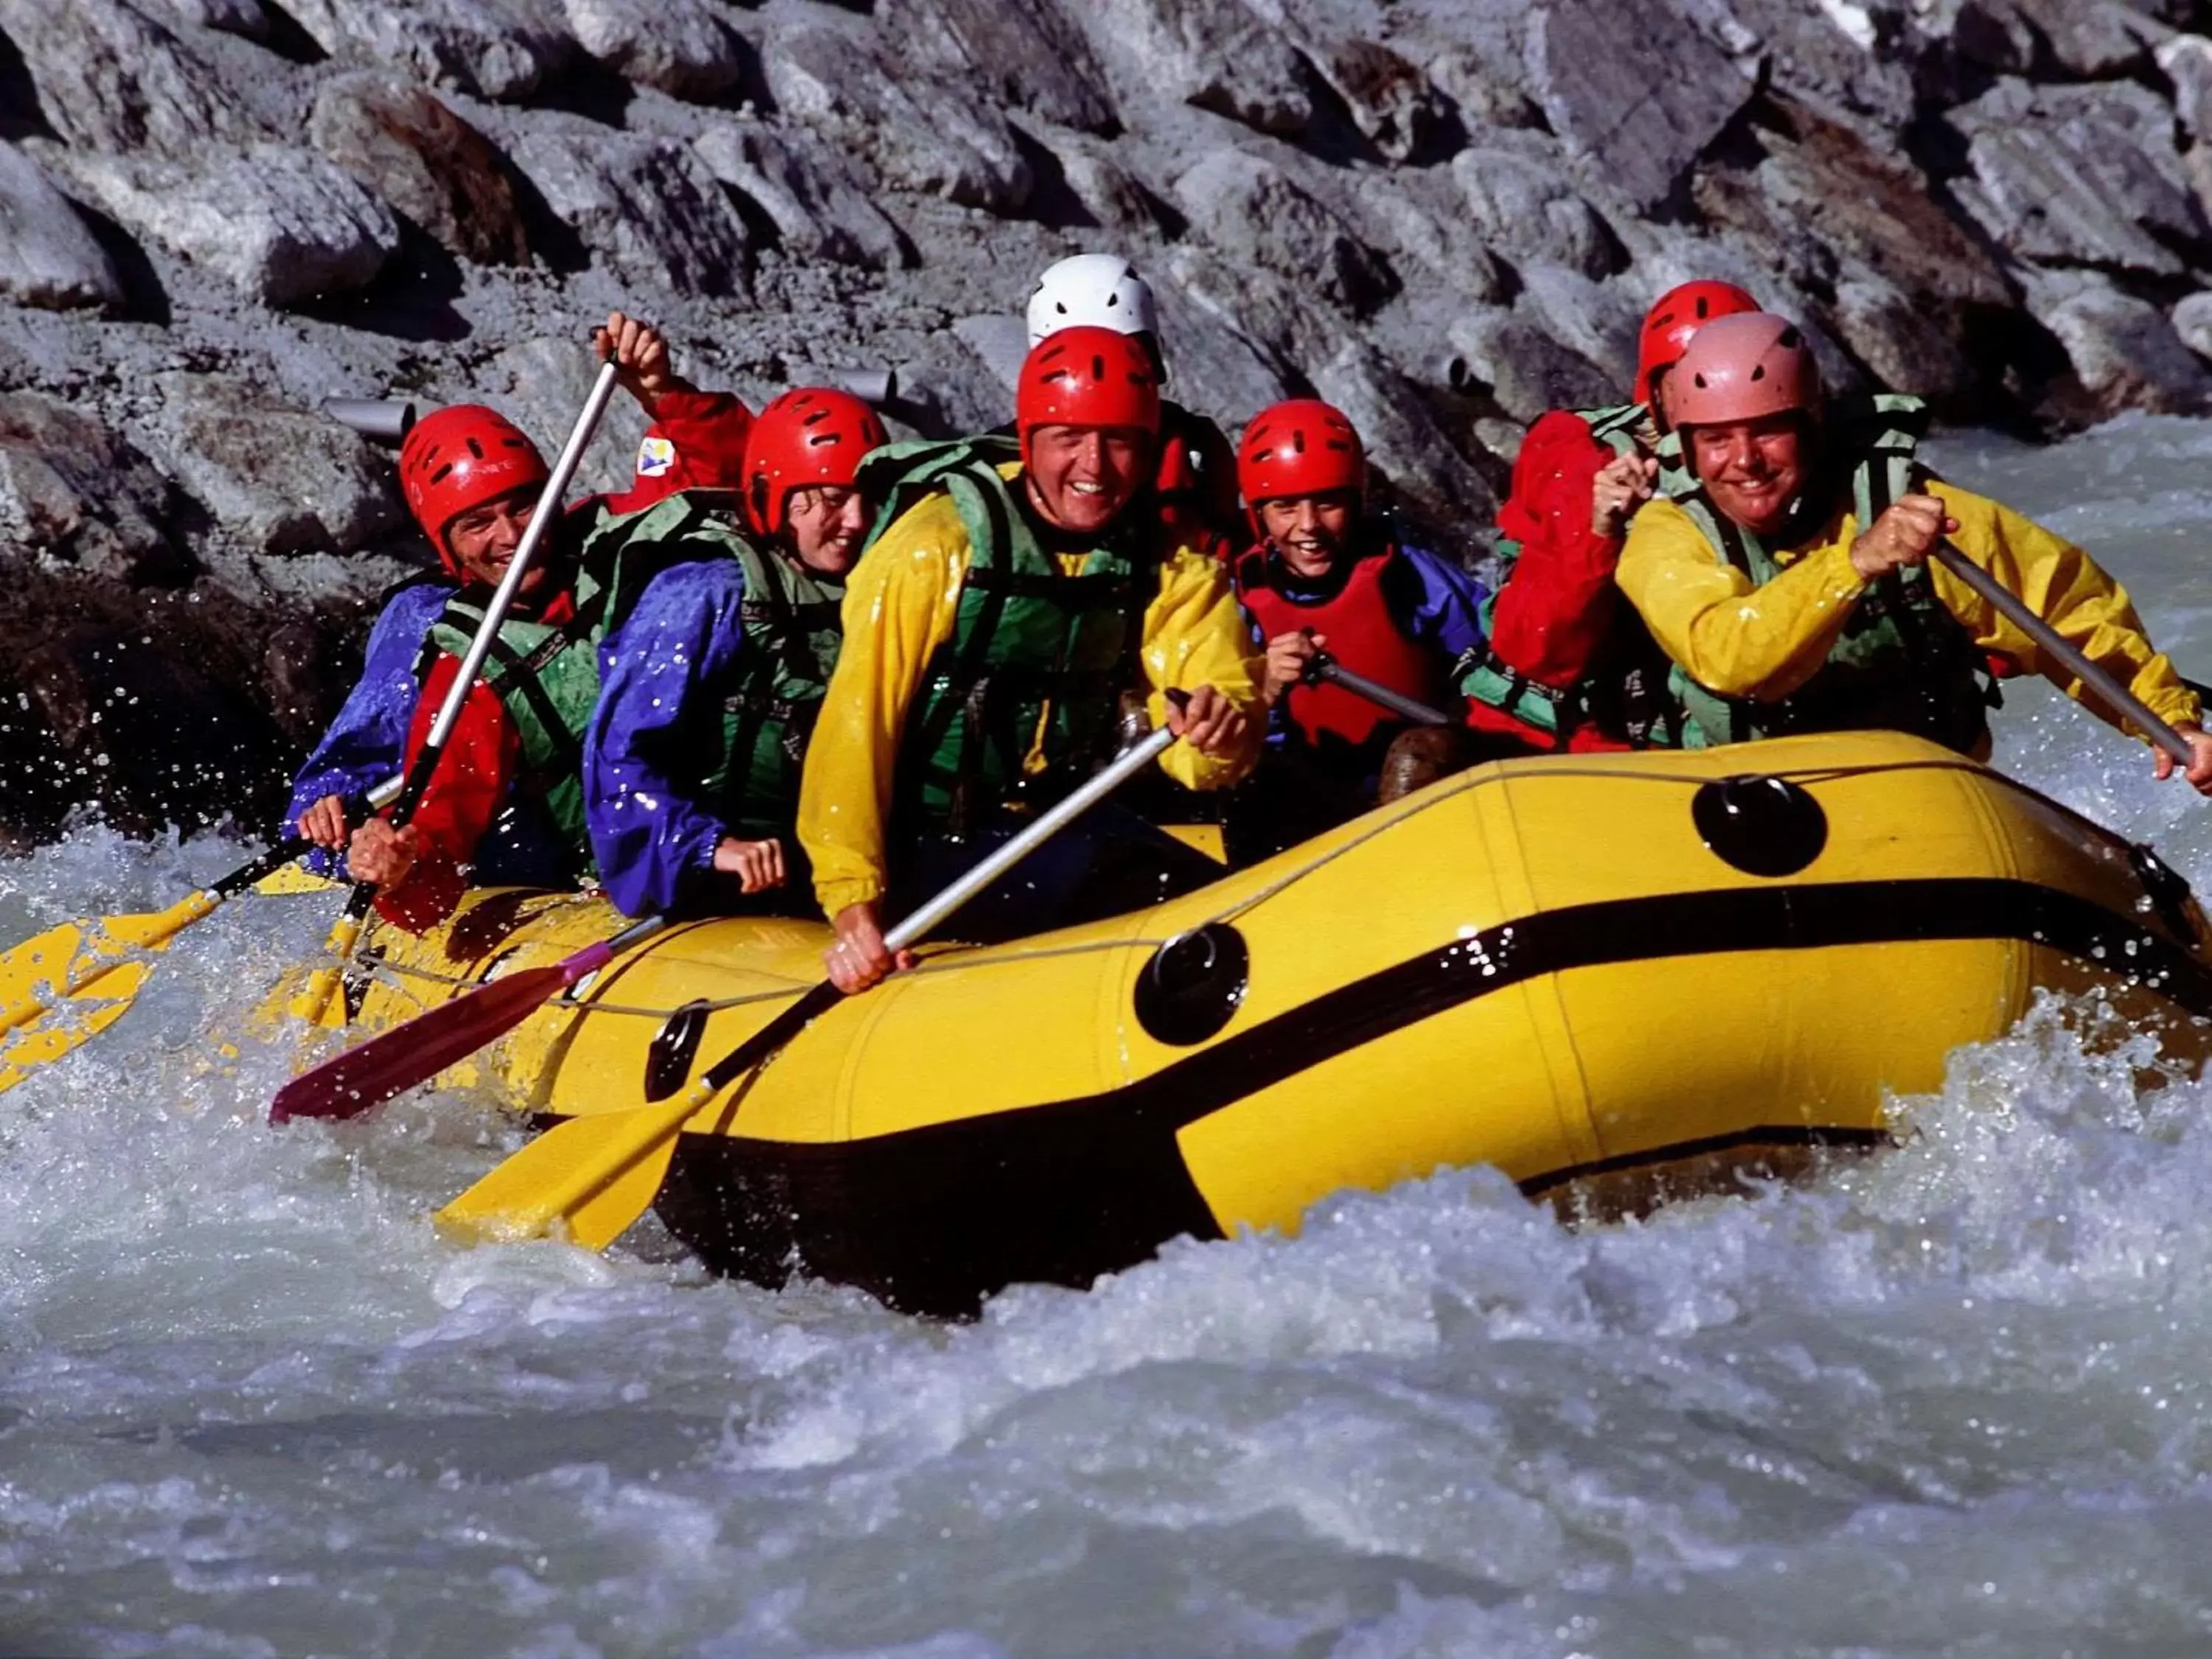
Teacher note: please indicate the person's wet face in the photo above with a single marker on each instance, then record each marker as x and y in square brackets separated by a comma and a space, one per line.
[1310, 532]
[484, 539]
[1080, 477]
[826, 523]
[1754, 470]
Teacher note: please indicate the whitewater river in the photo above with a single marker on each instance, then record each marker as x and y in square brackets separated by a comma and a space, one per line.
[1951, 1400]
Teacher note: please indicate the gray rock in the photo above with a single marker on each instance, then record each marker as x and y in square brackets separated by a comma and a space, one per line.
[281, 225]
[921, 133]
[1392, 102]
[48, 257]
[401, 141]
[1523, 207]
[243, 17]
[1839, 56]
[1251, 209]
[1214, 365]
[2098, 38]
[648, 205]
[2193, 321]
[1818, 182]
[2185, 60]
[1993, 35]
[683, 47]
[1217, 55]
[1626, 85]
[2125, 350]
[71, 490]
[819, 209]
[1488, 97]
[1508, 356]
[1419, 218]
[1599, 322]
[109, 77]
[1404, 440]
[999, 342]
[1027, 55]
[2079, 175]
[1904, 343]
[276, 480]
[497, 49]
[1106, 190]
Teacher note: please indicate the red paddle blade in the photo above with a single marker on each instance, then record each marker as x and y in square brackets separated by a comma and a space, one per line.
[394, 1061]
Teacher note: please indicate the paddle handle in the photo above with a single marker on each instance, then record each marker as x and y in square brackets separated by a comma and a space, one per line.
[1323, 667]
[592, 957]
[533, 536]
[2015, 609]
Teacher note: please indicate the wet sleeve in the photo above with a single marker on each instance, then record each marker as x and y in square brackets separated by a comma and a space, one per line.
[900, 603]
[1445, 604]
[1550, 614]
[653, 839]
[1733, 638]
[708, 430]
[365, 743]
[1196, 634]
[482, 757]
[2066, 587]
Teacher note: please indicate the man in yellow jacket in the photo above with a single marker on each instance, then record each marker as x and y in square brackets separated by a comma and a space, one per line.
[1785, 567]
[1007, 598]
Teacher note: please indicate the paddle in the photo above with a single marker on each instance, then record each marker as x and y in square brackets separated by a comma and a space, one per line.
[1322, 666]
[2047, 638]
[103, 961]
[314, 1002]
[394, 1061]
[600, 1174]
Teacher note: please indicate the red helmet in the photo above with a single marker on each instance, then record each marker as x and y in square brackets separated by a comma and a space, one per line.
[460, 457]
[811, 434]
[1302, 447]
[1088, 377]
[1743, 367]
[1669, 325]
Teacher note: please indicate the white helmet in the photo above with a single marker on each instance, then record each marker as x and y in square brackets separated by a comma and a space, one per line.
[1092, 290]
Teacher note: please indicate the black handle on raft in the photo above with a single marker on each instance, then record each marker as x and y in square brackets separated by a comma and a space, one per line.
[1322, 666]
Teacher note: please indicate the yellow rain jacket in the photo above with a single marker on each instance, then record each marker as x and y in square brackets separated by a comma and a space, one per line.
[1764, 643]
[901, 605]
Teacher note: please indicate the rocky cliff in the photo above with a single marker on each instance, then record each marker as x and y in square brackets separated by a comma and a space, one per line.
[1445, 216]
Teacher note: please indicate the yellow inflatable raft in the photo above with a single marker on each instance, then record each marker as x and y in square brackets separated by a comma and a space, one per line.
[1615, 979]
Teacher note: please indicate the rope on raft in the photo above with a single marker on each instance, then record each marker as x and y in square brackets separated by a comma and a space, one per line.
[369, 965]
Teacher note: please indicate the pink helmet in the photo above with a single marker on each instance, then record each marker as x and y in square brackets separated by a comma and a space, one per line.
[1739, 368]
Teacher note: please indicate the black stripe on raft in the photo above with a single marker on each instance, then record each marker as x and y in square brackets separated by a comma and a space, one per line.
[932, 1220]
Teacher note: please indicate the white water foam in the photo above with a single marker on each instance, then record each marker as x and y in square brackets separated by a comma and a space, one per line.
[1949, 1400]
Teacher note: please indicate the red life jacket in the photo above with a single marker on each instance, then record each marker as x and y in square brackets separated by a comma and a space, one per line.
[1362, 634]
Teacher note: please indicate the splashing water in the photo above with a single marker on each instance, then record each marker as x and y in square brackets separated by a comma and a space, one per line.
[1950, 1400]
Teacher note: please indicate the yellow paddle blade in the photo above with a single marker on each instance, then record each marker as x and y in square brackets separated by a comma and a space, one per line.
[65, 961]
[592, 1177]
[97, 1005]
[319, 1001]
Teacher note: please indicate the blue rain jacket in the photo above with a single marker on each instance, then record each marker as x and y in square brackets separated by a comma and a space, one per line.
[661, 673]
[367, 741]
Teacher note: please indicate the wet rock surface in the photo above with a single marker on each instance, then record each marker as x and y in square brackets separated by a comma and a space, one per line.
[1446, 214]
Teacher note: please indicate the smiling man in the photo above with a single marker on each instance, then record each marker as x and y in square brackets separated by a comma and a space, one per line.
[1006, 601]
[1785, 569]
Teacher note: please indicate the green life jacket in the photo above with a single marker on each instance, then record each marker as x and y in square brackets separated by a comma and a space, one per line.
[1037, 658]
[747, 761]
[1903, 662]
[547, 678]
[1624, 692]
